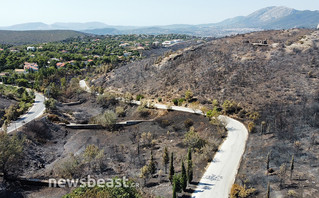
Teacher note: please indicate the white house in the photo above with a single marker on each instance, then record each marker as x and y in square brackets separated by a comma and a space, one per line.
[30, 48]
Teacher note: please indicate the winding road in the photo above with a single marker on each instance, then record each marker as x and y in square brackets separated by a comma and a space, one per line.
[36, 111]
[221, 172]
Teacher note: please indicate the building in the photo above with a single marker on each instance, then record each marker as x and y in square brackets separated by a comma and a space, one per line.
[60, 64]
[31, 66]
[318, 27]
[2, 74]
[19, 71]
[124, 45]
[30, 48]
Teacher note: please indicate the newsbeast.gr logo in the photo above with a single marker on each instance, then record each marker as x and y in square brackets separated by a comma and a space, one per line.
[92, 182]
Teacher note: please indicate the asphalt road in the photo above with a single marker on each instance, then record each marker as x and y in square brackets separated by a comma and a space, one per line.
[220, 174]
[36, 111]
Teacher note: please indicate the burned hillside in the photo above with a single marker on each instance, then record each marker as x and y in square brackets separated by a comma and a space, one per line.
[279, 79]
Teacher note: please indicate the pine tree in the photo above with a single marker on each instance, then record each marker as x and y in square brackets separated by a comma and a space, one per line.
[151, 165]
[184, 177]
[165, 159]
[292, 165]
[189, 166]
[171, 168]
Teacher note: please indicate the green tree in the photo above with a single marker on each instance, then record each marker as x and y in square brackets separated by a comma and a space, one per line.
[171, 168]
[165, 159]
[152, 165]
[174, 191]
[107, 119]
[177, 182]
[184, 177]
[189, 166]
[10, 153]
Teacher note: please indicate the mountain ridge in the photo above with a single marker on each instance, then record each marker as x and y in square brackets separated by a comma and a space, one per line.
[274, 17]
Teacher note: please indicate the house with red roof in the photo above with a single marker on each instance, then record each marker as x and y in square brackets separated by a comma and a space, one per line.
[31, 66]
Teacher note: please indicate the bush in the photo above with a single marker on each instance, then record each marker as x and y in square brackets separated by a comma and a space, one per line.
[188, 123]
[107, 119]
[241, 191]
[213, 113]
[139, 97]
[189, 95]
[180, 101]
[251, 127]
[106, 191]
[120, 111]
[193, 140]
[50, 104]
[175, 101]
[230, 107]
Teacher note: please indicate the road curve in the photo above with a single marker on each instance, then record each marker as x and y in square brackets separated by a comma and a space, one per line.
[221, 172]
[36, 111]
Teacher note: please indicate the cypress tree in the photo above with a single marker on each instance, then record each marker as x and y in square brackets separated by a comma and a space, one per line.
[165, 159]
[184, 177]
[189, 166]
[151, 165]
[174, 190]
[171, 168]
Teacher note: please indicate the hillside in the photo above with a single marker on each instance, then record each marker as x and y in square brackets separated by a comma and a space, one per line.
[279, 81]
[28, 37]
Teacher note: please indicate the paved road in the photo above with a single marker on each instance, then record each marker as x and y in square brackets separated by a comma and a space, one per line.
[36, 111]
[220, 174]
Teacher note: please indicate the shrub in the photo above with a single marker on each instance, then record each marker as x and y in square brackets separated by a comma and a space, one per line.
[175, 101]
[213, 113]
[139, 97]
[241, 191]
[159, 99]
[189, 95]
[251, 127]
[120, 111]
[129, 191]
[230, 107]
[193, 140]
[107, 119]
[180, 101]
[292, 193]
[188, 123]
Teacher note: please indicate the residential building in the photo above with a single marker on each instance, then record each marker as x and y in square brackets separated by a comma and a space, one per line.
[31, 66]
[60, 64]
[19, 71]
[30, 48]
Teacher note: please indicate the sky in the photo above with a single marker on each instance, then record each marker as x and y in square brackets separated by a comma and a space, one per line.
[137, 12]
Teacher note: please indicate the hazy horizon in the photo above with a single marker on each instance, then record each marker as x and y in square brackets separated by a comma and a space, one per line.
[137, 13]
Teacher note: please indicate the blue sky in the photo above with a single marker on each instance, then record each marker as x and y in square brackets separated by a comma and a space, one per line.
[136, 12]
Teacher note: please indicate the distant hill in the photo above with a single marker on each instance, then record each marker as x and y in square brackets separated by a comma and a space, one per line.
[273, 18]
[28, 37]
[263, 19]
